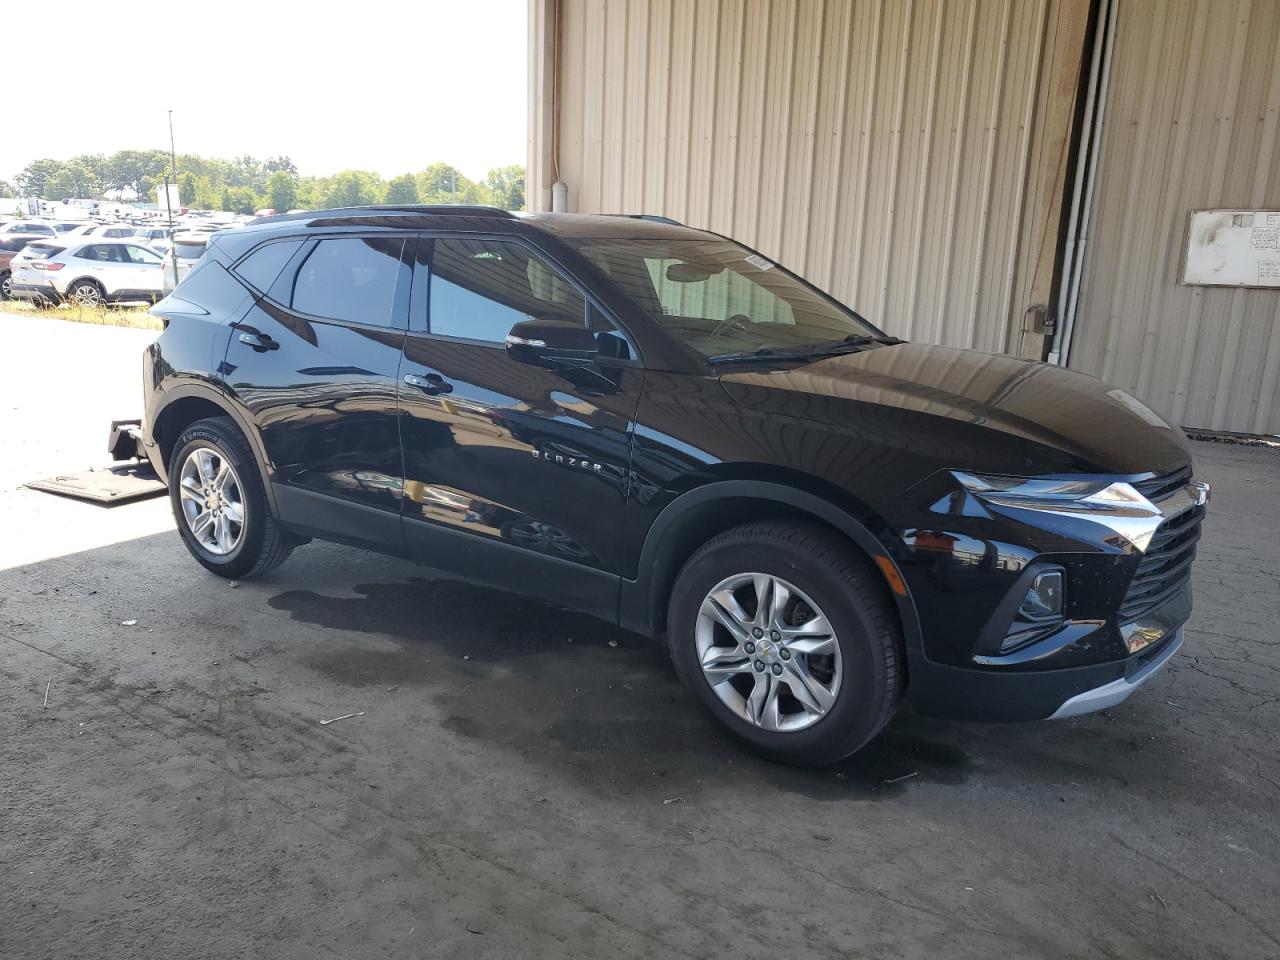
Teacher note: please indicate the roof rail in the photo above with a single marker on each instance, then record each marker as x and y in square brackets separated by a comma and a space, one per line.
[374, 209]
[652, 217]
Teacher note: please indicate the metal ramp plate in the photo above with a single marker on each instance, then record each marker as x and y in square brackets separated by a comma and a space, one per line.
[105, 485]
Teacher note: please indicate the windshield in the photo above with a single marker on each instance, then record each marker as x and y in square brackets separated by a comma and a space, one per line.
[719, 298]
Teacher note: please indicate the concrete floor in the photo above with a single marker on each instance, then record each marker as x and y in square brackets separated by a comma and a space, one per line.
[527, 782]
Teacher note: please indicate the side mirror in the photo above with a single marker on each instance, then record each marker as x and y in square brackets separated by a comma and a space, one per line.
[551, 343]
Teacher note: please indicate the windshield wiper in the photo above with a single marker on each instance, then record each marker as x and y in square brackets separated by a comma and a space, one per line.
[829, 348]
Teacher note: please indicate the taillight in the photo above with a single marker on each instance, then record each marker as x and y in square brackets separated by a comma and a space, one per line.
[45, 265]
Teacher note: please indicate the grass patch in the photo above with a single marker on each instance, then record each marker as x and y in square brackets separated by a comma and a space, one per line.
[131, 315]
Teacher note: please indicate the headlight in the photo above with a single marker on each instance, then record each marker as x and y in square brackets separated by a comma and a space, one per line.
[1112, 503]
[1023, 488]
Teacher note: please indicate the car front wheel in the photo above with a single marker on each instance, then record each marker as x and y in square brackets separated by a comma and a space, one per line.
[220, 504]
[786, 636]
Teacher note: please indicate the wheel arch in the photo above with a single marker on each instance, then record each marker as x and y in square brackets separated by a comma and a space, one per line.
[87, 279]
[695, 517]
[192, 402]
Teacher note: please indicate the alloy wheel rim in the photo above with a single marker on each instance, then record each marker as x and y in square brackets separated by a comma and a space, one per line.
[88, 295]
[768, 652]
[212, 500]
[6, 287]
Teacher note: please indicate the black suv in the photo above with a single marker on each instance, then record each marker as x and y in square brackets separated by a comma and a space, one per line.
[663, 428]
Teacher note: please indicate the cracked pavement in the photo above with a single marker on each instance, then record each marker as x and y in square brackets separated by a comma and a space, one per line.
[518, 785]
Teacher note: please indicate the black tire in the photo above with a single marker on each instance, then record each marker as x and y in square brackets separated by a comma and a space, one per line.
[87, 291]
[844, 585]
[4, 286]
[263, 543]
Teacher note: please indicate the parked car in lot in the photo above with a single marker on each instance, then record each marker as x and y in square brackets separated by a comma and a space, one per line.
[111, 231]
[663, 428]
[152, 236]
[11, 246]
[33, 228]
[90, 272]
[186, 252]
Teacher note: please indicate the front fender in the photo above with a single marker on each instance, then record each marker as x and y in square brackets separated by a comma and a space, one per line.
[642, 600]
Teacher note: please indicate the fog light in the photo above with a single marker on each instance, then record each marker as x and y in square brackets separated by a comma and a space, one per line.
[1044, 600]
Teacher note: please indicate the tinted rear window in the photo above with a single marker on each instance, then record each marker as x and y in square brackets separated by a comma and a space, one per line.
[351, 279]
[12, 244]
[45, 249]
[261, 267]
[189, 251]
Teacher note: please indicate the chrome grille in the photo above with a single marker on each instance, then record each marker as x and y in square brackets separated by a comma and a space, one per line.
[1162, 487]
[1166, 566]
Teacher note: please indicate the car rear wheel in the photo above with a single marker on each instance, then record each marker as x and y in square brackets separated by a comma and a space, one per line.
[220, 503]
[786, 636]
[87, 293]
[6, 284]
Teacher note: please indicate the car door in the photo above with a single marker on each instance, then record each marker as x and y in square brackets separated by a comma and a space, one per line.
[103, 262]
[314, 362]
[514, 474]
[146, 272]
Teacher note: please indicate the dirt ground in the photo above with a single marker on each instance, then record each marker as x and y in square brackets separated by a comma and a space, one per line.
[524, 782]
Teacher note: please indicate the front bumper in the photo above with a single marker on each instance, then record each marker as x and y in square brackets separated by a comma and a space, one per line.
[1128, 597]
[991, 697]
[1117, 691]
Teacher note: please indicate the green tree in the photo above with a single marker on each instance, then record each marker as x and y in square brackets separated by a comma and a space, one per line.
[137, 170]
[207, 196]
[505, 187]
[445, 183]
[6, 189]
[403, 189]
[280, 164]
[33, 179]
[309, 193]
[240, 200]
[353, 188]
[188, 187]
[282, 191]
[73, 179]
[246, 172]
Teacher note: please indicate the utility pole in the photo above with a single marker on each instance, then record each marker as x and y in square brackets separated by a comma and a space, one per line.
[173, 162]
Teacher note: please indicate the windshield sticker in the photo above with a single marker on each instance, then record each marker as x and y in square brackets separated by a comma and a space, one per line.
[759, 262]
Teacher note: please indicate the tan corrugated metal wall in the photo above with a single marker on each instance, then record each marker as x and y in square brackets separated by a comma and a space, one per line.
[907, 155]
[1191, 122]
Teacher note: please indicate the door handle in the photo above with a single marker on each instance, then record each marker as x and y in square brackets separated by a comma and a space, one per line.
[259, 341]
[431, 384]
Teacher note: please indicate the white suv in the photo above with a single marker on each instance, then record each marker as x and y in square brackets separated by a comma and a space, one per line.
[87, 271]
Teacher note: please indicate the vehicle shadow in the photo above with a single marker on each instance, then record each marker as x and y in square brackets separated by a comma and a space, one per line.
[569, 691]
[571, 694]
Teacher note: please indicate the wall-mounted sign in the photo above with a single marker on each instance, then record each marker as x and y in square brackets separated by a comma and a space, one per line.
[1233, 248]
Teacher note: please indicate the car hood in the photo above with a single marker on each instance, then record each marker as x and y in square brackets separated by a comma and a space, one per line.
[976, 411]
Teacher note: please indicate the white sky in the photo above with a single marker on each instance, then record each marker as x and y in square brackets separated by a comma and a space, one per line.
[383, 85]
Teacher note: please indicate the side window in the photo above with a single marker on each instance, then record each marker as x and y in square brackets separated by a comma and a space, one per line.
[142, 255]
[260, 268]
[351, 279]
[481, 288]
[95, 252]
